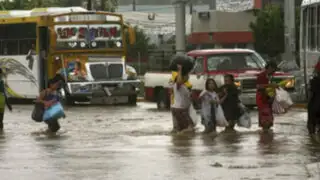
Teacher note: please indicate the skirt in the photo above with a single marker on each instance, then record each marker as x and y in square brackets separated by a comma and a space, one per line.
[265, 112]
[181, 118]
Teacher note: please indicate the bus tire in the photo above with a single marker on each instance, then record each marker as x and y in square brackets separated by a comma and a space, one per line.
[163, 102]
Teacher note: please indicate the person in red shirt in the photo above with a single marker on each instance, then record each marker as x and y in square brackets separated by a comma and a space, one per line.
[263, 100]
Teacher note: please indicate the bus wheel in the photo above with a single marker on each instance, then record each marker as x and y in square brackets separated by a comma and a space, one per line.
[162, 100]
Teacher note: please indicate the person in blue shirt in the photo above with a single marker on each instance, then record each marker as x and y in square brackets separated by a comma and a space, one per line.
[3, 100]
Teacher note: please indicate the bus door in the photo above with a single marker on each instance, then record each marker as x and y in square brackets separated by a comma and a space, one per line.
[43, 39]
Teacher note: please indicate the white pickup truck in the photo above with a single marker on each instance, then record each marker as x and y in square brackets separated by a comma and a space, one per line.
[244, 64]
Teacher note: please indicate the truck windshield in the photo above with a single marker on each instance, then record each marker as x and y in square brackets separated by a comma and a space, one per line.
[234, 61]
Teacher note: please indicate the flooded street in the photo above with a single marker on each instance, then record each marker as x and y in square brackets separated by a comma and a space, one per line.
[133, 143]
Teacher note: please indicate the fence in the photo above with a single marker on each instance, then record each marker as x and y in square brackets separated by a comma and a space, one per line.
[156, 60]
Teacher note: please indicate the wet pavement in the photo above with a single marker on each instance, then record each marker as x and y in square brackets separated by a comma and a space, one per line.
[133, 143]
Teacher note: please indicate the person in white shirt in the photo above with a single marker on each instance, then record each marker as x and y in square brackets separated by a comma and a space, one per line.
[181, 103]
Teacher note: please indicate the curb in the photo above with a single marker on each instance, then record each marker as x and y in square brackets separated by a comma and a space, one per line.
[141, 99]
[300, 106]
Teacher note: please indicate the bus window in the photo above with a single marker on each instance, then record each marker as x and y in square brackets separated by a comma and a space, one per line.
[17, 39]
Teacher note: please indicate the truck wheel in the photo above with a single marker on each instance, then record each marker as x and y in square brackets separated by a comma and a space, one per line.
[132, 100]
[163, 101]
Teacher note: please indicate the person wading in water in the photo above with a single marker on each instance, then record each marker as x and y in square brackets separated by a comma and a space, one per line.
[3, 100]
[181, 103]
[314, 102]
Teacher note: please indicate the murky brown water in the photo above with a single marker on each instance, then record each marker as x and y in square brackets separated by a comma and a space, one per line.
[133, 143]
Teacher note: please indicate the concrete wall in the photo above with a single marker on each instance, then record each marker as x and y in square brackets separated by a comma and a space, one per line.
[222, 22]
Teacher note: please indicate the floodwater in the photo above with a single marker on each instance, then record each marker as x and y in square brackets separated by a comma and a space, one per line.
[133, 143]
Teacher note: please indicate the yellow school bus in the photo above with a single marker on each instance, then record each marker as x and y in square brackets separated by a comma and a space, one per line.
[87, 48]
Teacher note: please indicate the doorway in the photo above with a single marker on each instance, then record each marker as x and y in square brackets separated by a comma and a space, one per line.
[43, 43]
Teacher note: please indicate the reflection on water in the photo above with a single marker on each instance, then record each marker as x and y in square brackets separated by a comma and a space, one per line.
[182, 144]
[134, 143]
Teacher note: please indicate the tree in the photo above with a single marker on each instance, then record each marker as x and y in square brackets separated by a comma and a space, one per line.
[142, 44]
[268, 31]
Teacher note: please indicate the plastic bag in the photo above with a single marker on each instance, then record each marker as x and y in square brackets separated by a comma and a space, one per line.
[245, 119]
[278, 108]
[283, 97]
[193, 114]
[220, 118]
[54, 112]
[38, 111]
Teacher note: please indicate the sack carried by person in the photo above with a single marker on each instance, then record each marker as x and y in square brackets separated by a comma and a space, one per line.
[193, 114]
[220, 118]
[245, 119]
[38, 111]
[278, 108]
[184, 61]
[53, 112]
[283, 97]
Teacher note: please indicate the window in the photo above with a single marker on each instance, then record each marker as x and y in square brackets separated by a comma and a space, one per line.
[17, 39]
[199, 65]
[234, 61]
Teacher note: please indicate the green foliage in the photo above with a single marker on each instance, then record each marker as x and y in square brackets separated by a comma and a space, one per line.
[268, 31]
[142, 44]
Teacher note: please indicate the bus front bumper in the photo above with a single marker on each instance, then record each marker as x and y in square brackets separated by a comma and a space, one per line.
[90, 90]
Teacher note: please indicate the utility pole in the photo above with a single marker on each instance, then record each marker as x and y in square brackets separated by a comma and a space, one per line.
[290, 35]
[134, 5]
[180, 31]
[89, 5]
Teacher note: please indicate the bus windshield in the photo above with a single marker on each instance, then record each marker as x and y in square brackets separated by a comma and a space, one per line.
[88, 36]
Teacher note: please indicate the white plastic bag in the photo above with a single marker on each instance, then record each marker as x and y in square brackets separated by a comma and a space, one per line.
[278, 108]
[283, 97]
[193, 114]
[220, 118]
[245, 119]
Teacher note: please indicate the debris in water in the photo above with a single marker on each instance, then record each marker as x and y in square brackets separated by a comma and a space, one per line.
[216, 165]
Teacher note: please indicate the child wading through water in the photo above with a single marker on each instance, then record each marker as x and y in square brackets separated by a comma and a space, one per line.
[230, 101]
[49, 97]
[209, 100]
[3, 100]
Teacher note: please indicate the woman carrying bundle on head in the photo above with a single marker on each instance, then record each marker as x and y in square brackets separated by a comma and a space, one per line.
[181, 94]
